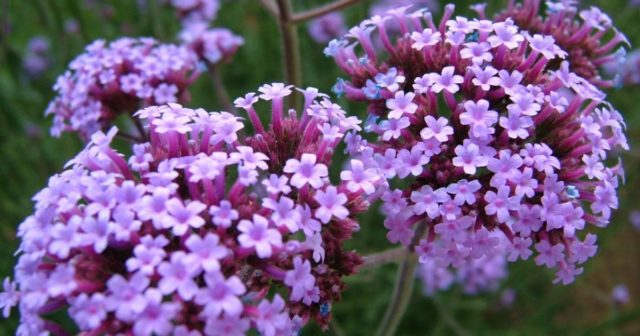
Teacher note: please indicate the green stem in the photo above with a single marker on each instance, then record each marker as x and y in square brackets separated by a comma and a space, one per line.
[291, 48]
[220, 89]
[449, 320]
[401, 296]
[384, 257]
[322, 10]
[404, 286]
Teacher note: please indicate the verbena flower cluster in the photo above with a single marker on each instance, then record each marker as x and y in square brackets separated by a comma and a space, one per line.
[35, 60]
[211, 45]
[191, 11]
[588, 36]
[116, 78]
[484, 127]
[201, 230]
[327, 27]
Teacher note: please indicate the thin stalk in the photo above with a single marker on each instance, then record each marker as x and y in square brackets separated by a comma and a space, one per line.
[336, 328]
[290, 44]
[271, 6]
[401, 296]
[449, 319]
[220, 89]
[403, 288]
[322, 10]
[384, 257]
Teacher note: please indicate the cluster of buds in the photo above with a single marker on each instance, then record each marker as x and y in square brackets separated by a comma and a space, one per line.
[211, 46]
[486, 130]
[582, 34]
[118, 78]
[196, 231]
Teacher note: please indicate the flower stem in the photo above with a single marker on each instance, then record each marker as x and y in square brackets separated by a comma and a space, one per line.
[291, 48]
[403, 287]
[322, 10]
[384, 257]
[401, 296]
[220, 89]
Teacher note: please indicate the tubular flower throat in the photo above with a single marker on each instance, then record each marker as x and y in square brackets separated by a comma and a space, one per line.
[489, 134]
[194, 232]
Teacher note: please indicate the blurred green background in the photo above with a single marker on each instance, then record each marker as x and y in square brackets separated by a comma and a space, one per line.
[29, 156]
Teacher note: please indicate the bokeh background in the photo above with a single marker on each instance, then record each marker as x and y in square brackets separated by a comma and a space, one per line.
[28, 156]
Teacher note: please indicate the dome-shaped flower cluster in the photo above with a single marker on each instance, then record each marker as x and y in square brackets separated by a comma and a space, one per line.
[116, 78]
[484, 128]
[194, 232]
[213, 45]
[588, 36]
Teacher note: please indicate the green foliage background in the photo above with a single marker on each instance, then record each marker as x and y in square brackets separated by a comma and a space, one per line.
[29, 156]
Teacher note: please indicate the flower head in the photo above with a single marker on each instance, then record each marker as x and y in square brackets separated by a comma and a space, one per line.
[200, 224]
[110, 79]
[468, 119]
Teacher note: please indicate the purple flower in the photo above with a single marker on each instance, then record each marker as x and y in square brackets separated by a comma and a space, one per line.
[401, 105]
[359, 178]
[447, 80]
[127, 299]
[223, 214]
[207, 251]
[88, 311]
[177, 275]
[221, 295]
[183, 216]
[156, 317]
[327, 27]
[620, 294]
[306, 170]
[299, 279]
[331, 205]
[116, 78]
[270, 317]
[257, 234]
[9, 297]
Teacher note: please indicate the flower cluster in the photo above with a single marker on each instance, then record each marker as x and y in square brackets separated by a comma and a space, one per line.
[194, 232]
[327, 27]
[191, 11]
[35, 60]
[213, 45]
[116, 78]
[627, 68]
[580, 33]
[477, 276]
[485, 128]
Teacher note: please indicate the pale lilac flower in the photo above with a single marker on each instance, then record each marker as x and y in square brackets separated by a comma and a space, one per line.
[257, 234]
[156, 318]
[299, 279]
[447, 80]
[331, 205]
[306, 170]
[223, 214]
[401, 105]
[177, 275]
[221, 295]
[359, 177]
[437, 129]
[207, 250]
